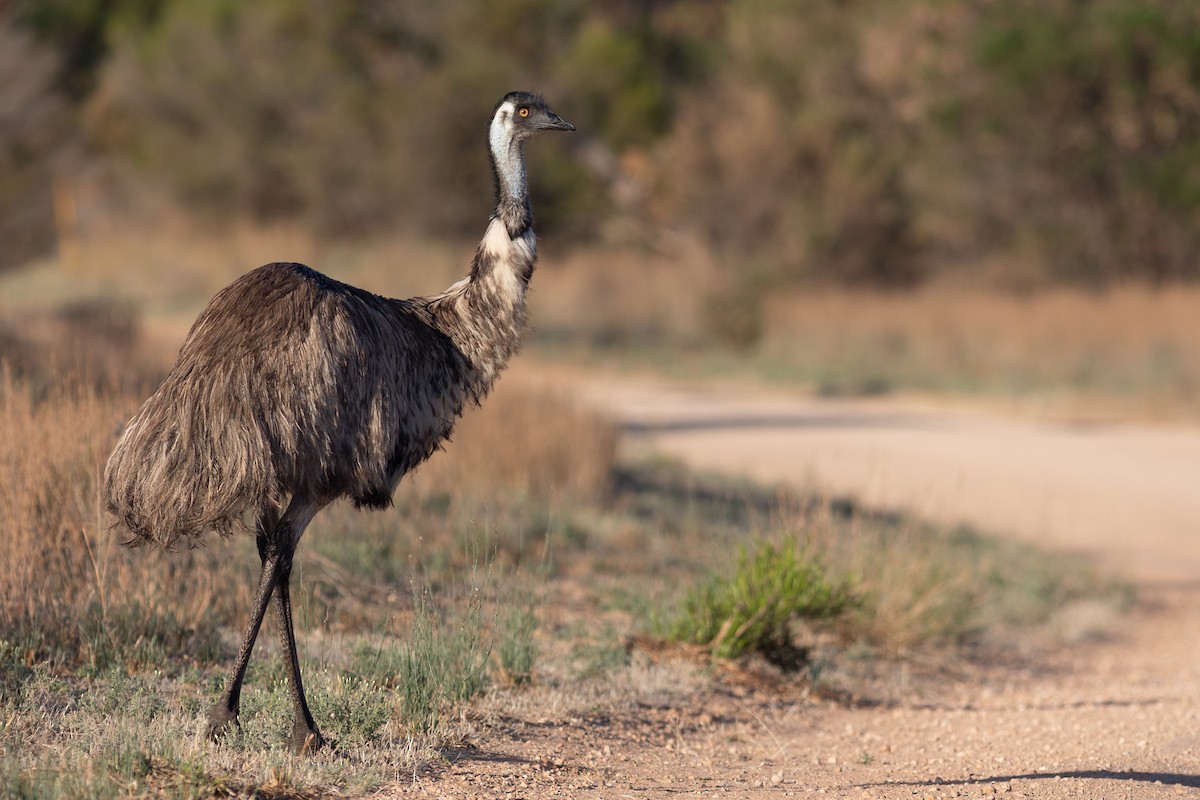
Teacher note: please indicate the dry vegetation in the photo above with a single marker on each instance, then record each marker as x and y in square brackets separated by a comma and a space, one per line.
[1129, 350]
[525, 555]
[63, 401]
[1125, 351]
[531, 566]
[674, 310]
[108, 655]
[523, 563]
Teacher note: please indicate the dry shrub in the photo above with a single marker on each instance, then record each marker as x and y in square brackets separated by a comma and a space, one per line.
[526, 440]
[68, 591]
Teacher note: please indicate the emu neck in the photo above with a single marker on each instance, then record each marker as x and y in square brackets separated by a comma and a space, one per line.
[485, 313]
[487, 309]
[512, 190]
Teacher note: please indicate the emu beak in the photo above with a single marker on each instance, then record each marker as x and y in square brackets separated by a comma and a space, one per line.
[555, 123]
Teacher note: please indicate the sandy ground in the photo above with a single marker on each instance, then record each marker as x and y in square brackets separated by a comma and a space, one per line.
[1127, 495]
[1118, 718]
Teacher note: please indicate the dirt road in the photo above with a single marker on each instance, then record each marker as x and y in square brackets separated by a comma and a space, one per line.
[1118, 718]
[1127, 495]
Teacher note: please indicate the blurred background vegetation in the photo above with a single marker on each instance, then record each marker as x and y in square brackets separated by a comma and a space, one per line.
[880, 143]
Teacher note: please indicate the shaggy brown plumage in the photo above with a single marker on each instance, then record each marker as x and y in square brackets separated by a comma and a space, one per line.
[294, 388]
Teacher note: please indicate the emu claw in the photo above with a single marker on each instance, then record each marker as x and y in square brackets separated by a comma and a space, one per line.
[220, 722]
[305, 739]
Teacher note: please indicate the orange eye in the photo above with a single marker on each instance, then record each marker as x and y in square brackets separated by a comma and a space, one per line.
[524, 112]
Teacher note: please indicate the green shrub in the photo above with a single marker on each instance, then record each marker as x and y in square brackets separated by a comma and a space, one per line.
[754, 609]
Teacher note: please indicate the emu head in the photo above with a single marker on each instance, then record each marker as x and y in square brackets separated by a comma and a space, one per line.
[520, 115]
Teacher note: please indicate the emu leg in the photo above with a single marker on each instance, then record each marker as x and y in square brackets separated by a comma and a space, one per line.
[225, 713]
[305, 736]
[276, 543]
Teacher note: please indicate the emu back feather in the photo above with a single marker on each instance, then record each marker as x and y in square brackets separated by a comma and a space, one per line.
[291, 383]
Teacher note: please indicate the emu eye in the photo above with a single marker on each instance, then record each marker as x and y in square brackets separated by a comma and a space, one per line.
[524, 112]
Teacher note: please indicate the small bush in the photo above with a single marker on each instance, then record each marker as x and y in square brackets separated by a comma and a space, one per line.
[352, 710]
[515, 647]
[754, 609]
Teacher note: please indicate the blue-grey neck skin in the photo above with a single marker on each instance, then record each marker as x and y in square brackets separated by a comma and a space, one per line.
[508, 164]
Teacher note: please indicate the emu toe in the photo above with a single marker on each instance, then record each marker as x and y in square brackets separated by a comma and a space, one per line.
[220, 721]
[305, 739]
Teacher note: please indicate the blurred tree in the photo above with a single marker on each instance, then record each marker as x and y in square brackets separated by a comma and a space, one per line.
[625, 72]
[876, 142]
[1095, 108]
[792, 157]
[78, 30]
[357, 116]
[33, 128]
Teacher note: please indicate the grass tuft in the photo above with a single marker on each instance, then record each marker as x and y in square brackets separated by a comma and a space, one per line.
[441, 665]
[515, 647]
[754, 609]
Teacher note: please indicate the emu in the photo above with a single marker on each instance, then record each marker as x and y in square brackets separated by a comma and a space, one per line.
[293, 390]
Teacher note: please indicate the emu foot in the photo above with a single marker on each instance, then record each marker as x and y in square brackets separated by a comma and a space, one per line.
[306, 739]
[221, 720]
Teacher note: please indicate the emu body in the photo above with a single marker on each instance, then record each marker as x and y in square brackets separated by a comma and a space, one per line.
[293, 390]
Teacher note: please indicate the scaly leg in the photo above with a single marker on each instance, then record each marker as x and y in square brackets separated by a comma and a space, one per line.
[277, 539]
[305, 736]
[225, 713]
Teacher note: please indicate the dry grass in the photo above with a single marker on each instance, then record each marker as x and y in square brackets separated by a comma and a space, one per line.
[65, 583]
[526, 441]
[110, 656]
[1133, 347]
[58, 557]
[170, 266]
[1126, 352]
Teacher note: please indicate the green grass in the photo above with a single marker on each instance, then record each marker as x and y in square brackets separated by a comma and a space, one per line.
[127, 634]
[136, 734]
[440, 665]
[515, 647]
[885, 582]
